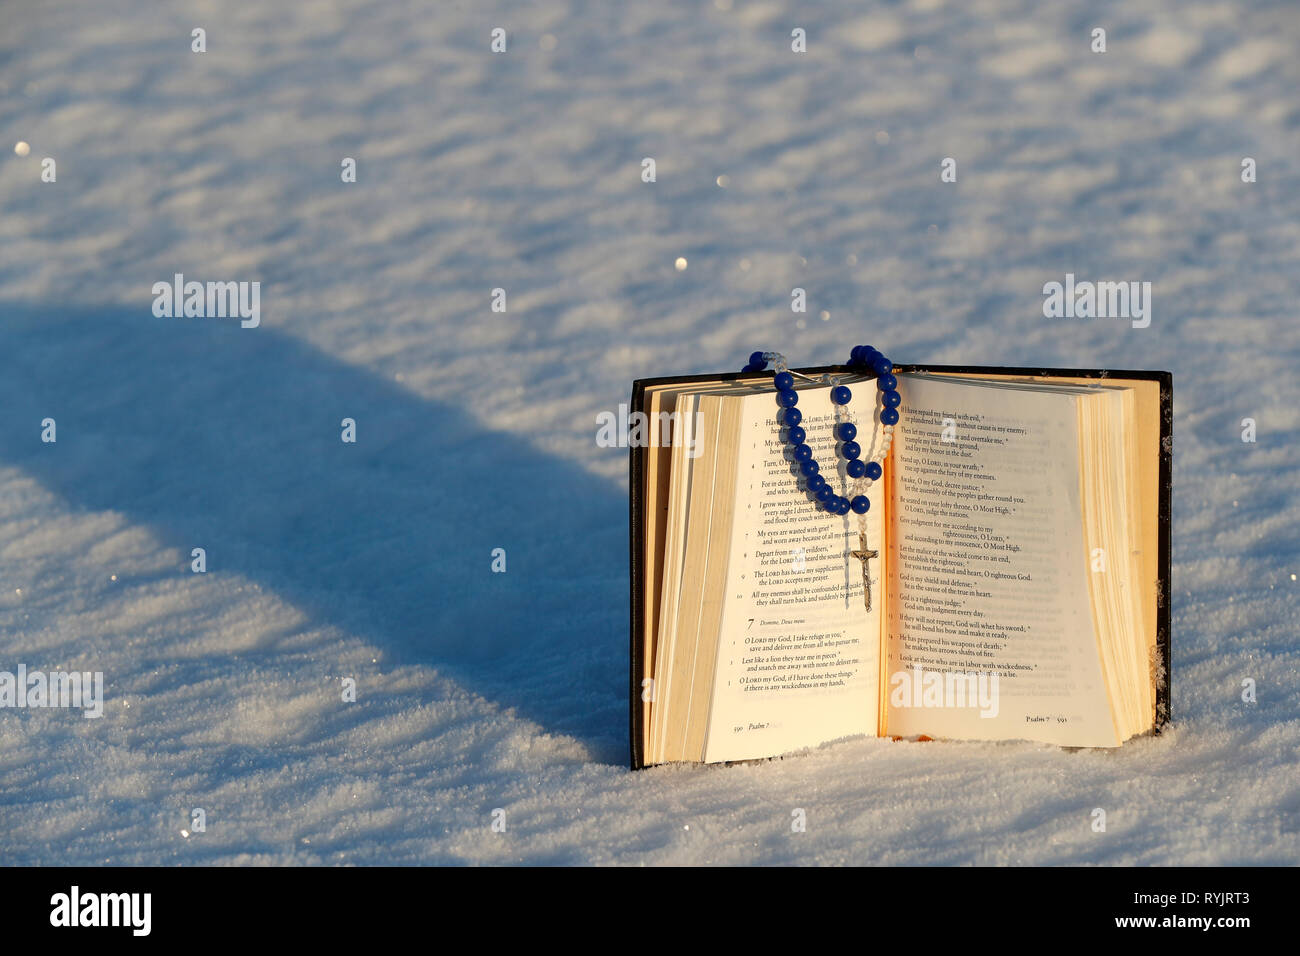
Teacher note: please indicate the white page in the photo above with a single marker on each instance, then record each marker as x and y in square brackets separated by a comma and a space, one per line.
[798, 658]
[989, 568]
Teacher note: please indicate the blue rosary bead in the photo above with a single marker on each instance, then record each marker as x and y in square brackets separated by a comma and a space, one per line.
[788, 416]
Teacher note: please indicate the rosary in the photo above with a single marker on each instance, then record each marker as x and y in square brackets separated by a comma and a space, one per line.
[863, 473]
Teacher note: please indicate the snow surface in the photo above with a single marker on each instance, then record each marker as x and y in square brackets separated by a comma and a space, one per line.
[476, 429]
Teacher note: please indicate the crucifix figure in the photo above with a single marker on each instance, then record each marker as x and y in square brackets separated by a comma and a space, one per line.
[864, 555]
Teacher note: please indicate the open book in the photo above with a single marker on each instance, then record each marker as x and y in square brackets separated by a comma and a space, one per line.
[1018, 591]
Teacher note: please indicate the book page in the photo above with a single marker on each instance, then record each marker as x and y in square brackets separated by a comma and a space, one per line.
[990, 632]
[798, 655]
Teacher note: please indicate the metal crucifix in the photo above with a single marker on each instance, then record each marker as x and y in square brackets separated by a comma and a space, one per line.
[864, 555]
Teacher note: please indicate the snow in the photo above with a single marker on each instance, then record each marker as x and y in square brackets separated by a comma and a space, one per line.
[476, 430]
